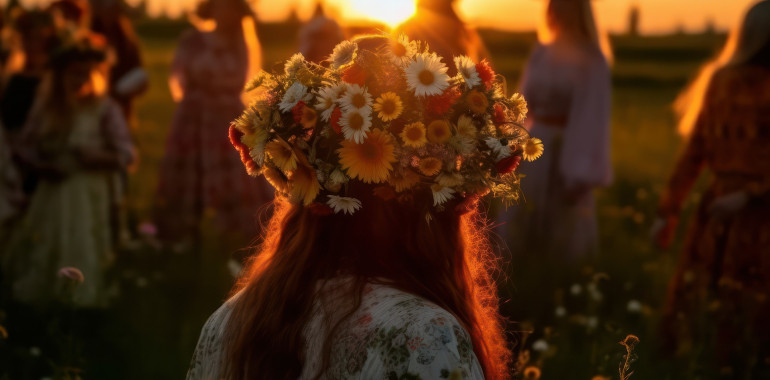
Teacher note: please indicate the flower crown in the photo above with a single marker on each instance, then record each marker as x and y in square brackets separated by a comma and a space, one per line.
[388, 116]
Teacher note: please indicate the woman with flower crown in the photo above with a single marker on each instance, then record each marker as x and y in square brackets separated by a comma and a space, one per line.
[717, 299]
[76, 141]
[200, 177]
[375, 263]
[567, 87]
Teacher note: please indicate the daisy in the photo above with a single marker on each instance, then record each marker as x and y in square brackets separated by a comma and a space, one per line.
[389, 106]
[303, 184]
[294, 64]
[404, 181]
[282, 155]
[430, 166]
[441, 194]
[465, 127]
[401, 50]
[477, 102]
[501, 151]
[371, 161]
[296, 93]
[343, 54]
[533, 149]
[326, 98]
[414, 135]
[467, 70]
[426, 75]
[355, 124]
[438, 131]
[356, 98]
[343, 204]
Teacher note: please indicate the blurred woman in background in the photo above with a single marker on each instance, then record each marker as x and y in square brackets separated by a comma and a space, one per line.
[320, 35]
[200, 173]
[567, 86]
[718, 297]
[76, 141]
[437, 23]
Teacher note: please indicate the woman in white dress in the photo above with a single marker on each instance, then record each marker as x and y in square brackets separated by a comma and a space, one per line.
[568, 90]
[375, 263]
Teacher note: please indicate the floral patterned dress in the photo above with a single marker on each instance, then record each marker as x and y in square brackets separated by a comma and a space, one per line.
[201, 174]
[720, 290]
[392, 335]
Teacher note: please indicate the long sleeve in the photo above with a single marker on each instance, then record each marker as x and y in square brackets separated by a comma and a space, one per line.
[686, 171]
[585, 157]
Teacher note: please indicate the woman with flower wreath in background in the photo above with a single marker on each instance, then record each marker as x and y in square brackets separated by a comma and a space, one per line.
[718, 297]
[200, 176]
[376, 264]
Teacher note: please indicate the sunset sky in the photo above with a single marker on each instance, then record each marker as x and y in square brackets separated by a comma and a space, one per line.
[658, 16]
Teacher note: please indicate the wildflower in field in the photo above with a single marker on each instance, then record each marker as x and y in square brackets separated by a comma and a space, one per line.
[343, 204]
[388, 106]
[426, 75]
[370, 161]
[533, 149]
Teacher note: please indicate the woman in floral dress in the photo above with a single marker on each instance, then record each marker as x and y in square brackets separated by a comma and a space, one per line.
[200, 175]
[375, 263]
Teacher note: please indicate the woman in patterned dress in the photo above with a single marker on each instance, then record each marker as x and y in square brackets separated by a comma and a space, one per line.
[718, 298]
[201, 176]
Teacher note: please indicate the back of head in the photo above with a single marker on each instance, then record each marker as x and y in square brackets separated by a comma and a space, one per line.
[747, 45]
[573, 21]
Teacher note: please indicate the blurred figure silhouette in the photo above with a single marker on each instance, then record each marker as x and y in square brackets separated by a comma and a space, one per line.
[76, 141]
[128, 79]
[320, 35]
[200, 173]
[567, 86]
[437, 23]
[718, 296]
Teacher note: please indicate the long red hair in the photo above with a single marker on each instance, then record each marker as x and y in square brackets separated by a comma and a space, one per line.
[445, 259]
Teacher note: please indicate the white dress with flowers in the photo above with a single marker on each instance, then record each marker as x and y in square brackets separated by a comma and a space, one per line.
[392, 335]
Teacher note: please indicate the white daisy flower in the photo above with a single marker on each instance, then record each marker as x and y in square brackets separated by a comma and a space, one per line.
[343, 204]
[500, 150]
[343, 54]
[294, 64]
[356, 98]
[326, 98]
[401, 50]
[296, 93]
[426, 75]
[338, 176]
[441, 194]
[467, 70]
[355, 124]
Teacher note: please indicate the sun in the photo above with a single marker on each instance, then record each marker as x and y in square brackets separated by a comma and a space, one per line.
[391, 13]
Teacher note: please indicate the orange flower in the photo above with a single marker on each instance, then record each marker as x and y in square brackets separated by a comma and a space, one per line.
[303, 184]
[477, 102]
[438, 131]
[430, 166]
[371, 161]
[275, 178]
[404, 181]
[413, 135]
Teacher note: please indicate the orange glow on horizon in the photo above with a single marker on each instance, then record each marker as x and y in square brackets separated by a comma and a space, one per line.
[391, 13]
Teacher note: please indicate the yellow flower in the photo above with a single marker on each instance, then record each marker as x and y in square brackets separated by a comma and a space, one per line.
[389, 106]
[465, 127]
[371, 161]
[282, 155]
[430, 166]
[438, 131]
[404, 181]
[275, 178]
[303, 184]
[531, 373]
[533, 149]
[413, 135]
[477, 102]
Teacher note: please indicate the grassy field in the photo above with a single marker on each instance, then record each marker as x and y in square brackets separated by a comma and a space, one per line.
[156, 324]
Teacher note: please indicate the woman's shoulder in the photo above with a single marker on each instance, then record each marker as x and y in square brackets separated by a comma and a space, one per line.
[205, 363]
[406, 335]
